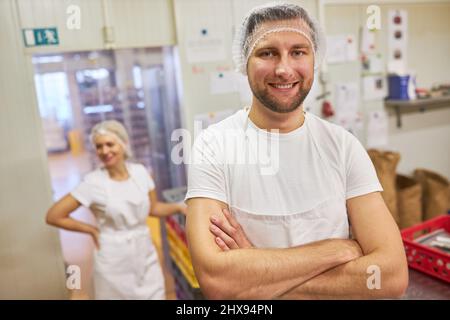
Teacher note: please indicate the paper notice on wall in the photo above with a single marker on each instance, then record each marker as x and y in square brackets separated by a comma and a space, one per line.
[374, 88]
[352, 122]
[207, 119]
[223, 82]
[341, 48]
[377, 129]
[245, 93]
[346, 107]
[367, 40]
[311, 104]
[346, 98]
[358, 122]
[372, 64]
[352, 49]
[336, 49]
[397, 40]
[205, 45]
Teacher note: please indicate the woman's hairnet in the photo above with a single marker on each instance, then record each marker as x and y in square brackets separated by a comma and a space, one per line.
[276, 17]
[117, 130]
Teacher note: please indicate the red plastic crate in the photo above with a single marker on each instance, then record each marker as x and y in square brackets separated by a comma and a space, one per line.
[426, 259]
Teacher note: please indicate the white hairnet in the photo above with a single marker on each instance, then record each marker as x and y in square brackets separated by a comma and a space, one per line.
[276, 17]
[117, 130]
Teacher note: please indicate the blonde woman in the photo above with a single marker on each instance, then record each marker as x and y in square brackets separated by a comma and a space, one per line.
[121, 194]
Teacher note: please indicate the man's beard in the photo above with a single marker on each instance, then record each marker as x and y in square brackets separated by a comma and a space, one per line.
[272, 104]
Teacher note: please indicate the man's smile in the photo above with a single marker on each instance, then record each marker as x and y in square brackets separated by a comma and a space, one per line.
[284, 87]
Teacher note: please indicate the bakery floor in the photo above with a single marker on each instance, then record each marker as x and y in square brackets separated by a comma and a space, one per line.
[66, 171]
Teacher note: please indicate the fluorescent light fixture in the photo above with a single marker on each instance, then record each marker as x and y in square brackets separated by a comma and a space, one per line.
[47, 59]
[98, 109]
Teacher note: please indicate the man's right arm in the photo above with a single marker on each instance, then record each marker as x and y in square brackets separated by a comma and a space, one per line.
[255, 273]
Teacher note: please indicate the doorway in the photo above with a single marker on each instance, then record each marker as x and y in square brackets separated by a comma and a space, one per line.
[75, 91]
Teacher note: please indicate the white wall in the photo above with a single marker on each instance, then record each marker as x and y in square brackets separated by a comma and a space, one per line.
[134, 23]
[190, 16]
[429, 49]
[221, 17]
[142, 23]
[31, 265]
[424, 138]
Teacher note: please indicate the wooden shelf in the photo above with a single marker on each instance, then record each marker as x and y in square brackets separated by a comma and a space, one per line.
[408, 106]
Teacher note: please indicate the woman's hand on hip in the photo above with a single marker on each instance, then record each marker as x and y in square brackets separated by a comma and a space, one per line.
[182, 208]
[95, 234]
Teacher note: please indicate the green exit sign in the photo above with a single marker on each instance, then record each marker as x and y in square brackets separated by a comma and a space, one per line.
[40, 37]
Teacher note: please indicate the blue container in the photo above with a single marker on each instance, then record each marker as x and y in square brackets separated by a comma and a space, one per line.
[398, 87]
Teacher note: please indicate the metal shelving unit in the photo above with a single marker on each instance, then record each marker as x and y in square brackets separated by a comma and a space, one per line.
[176, 251]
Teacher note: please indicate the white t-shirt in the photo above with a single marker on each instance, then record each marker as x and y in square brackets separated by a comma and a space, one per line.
[117, 205]
[284, 189]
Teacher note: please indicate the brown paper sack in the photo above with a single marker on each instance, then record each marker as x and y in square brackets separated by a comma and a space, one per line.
[386, 165]
[409, 201]
[436, 190]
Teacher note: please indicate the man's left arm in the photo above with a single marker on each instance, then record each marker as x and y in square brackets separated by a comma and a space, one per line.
[381, 272]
